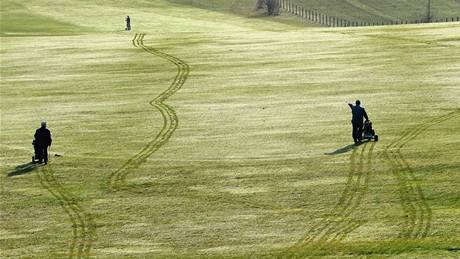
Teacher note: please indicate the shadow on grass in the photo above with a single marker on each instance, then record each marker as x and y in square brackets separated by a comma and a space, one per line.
[23, 169]
[342, 150]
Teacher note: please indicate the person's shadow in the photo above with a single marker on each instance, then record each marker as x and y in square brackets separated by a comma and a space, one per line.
[23, 169]
[342, 150]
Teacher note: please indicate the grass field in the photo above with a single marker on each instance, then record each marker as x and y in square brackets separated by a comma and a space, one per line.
[203, 134]
[354, 10]
[384, 11]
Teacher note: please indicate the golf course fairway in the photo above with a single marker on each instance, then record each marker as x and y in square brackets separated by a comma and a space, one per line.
[205, 134]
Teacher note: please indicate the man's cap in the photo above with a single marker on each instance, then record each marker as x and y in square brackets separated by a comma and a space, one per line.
[43, 123]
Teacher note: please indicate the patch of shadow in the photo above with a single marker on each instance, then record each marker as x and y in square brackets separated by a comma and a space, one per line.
[342, 150]
[23, 169]
[456, 249]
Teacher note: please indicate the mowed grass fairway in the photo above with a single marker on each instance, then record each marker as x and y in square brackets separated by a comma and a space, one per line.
[208, 135]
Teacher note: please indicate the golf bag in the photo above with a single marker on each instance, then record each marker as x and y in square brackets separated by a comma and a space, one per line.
[368, 132]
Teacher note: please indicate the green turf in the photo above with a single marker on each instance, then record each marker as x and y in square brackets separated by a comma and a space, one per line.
[383, 11]
[376, 11]
[259, 165]
[18, 20]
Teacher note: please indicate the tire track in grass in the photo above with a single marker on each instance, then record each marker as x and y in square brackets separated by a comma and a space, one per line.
[337, 226]
[417, 210]
[117, 180]
[83, 227]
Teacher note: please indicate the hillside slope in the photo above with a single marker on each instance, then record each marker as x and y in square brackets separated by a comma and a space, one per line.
[204, 134]
[383, 10]
[356, 10]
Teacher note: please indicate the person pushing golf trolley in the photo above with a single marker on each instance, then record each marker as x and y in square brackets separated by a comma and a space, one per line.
[361, 131]
[42, 140]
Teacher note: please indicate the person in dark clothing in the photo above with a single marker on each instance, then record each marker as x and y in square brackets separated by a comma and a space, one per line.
[358, 114]
[42, 142]
[128, 23]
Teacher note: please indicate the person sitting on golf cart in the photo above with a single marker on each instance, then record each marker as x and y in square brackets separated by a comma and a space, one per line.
[358, 115]
[42, 142]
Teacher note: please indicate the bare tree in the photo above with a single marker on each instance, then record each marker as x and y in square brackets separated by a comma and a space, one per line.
[271, 5]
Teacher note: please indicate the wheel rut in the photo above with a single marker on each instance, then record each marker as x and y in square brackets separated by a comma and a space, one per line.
[83, 227]
[337, 225]
[117, 180]
[418, 214]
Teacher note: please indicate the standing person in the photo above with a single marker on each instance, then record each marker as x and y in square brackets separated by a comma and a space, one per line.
[358, 114]
[128, 23]
[42, 142]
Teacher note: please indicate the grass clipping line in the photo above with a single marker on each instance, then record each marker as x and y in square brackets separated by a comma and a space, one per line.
[418, 213]
[340, 223]
[117, 180]
[83, 227]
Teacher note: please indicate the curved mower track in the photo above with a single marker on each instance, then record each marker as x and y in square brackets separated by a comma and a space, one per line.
[340, 222]
[117, 180]
[418, 214]
[83, 227]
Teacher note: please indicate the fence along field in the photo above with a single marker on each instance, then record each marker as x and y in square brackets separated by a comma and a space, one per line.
[318, 17]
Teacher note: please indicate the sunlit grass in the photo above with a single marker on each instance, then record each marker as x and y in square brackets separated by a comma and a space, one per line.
[249, 170]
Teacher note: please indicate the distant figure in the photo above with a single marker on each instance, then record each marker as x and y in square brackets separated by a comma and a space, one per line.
[128, 23]
[42, 142]
[358, 115]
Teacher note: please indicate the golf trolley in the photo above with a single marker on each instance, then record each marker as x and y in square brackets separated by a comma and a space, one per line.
[368, 132]
[37, 156]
